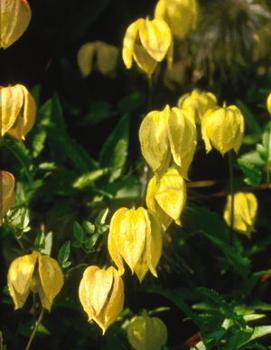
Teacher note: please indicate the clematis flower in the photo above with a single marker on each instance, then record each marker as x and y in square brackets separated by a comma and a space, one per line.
[168, 135]
[199, 102]
[35, 273]
[181, 15]
[15, 16]
[7, 194]
[268, 103]
[166, 197]
[100, 53]
[101, 294]
[245, 211]
[135, 237]
[147, 333]
[147, 42]
[223, 129]
[18, 110]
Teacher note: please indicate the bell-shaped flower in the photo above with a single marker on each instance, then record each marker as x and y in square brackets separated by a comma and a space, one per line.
[268, 103]
[135, 237]
[147, 333]
[7, 193]
[15, 16]
[37, 273]
[223, 129]
[199, 102]
[181, 15]
[18, 110]
[245, 206]
[99, 54]
[101, 294]
[168, 135]
[166, 197]
[147, 42]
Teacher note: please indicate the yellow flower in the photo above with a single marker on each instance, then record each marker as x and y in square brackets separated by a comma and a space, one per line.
[7, 194]
[166, 135]
[181, 15]
[166, 197]
[101, 294]
[147, 333]
[147, 42]
[223, 129]
[135, 237]
[37, 273]
[199, 102]
[18, 111]
[268, 103]
[105, 55]
[245, 211]
[15, 16]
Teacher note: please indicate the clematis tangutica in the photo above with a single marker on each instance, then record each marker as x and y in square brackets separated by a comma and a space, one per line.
[268, 103]
[135, 237]
[35, 273]
[101, 294]
[199, 102]
[15, 16]
[7, 193]
[223, 129]
[18, 111]
[147, 42]
[181, 15]
[166, 197]
[245, 206]
[100, 54]
[147, 333]
[166, 136]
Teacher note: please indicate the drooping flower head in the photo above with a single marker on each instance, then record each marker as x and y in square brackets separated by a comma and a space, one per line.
[268, 103]
[7, 194]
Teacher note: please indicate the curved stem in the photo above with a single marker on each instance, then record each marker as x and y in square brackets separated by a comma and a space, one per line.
[38, 322]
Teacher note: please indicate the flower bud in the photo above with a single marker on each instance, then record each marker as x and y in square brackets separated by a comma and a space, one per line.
[7, 194]
[168, 134]
[37, 273]
[199, 102]
[15, 16]
[166, 197]
[268, 103]
[147, 42]
[105, 57]
[244, 214]
[101, 294]
[18, 111]
[223, 129]
[147, 333]
[181, 15]
[135, 237]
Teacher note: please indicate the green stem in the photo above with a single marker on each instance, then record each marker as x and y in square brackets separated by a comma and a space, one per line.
[231, 183]
[267, 161]
[38, 322]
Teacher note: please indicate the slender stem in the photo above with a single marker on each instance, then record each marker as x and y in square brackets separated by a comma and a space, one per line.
[150, 92]
[268, 156]
[38, 322]
[231, 183]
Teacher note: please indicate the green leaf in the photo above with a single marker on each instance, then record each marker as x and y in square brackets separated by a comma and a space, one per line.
[131, 103]
[89, 227]
[78, 233]
[48, 244]
[250, 119]
[98, 112]
[88, 179]
[64, 254]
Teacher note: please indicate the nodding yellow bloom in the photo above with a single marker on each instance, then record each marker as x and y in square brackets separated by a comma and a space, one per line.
[168, 135]
[147, 42]
[147, 333]
[223, 129]
[7, 194]
[18, 110]
[37, 273]
[135, 237]
[268, 103]
[245, 211]
[181, 15]
[15, 16]
[103, 55]
[166, 197]
[101, 294]
[199, 102]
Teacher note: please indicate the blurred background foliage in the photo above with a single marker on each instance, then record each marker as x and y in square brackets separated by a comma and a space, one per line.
[82, 161]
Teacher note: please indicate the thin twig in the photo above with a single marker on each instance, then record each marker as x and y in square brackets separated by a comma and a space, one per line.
[38, 322]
